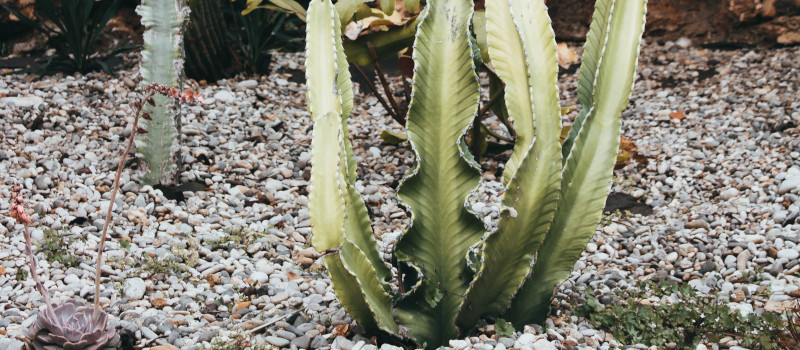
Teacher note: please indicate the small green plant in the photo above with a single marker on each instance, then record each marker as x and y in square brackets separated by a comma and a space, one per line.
[21, 275]
[237, 238]
[451, 273]
[73, 28]
[259, 32]
[665, 312]
[238, 342]
[56, 248]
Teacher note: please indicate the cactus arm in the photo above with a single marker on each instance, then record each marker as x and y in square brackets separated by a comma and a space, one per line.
[161, 63]
[590, 62]
[589, 170]
[445, 96]
[508, 58]
[354, 294]
[339, 219]
[326, 204]
[532, 192]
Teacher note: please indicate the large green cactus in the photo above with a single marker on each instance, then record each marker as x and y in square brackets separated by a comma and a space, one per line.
[554, 197]
[162, 64]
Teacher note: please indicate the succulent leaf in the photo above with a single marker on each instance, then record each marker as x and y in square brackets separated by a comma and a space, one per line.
[532, 192]
[589, 169]
[338, 214]
[445, 96]
[590, 62]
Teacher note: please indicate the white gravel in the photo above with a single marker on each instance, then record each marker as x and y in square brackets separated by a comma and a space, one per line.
[724, 184]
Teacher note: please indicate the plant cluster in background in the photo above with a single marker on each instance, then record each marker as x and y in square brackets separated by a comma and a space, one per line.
[74, 28]
[661, 313]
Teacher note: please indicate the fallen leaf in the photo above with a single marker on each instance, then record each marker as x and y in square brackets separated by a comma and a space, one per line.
[241, 305]
[213, 279]
[677, 115]
[2, 270]
[164, 347]
[342, 330]
[566, 57]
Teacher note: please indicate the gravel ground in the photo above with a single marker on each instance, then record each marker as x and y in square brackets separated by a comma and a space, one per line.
[720, 166]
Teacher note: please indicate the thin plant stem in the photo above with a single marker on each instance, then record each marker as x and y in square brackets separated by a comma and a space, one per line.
[382, 78]
[34, 268]
[121, 166]
[379, 97]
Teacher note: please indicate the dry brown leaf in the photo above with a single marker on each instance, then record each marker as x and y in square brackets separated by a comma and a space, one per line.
[677, 115]
[566, 57]
[342, 330]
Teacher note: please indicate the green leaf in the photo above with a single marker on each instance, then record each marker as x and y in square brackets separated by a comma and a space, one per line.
[412, 6]
[479, 27]
[386, 43]
[326, 205]
[508, 58]
[347, 9]
[387, 6]
[393, 138]
[338, 214]
[589, 170]
[503, 327]
[590, 63]
[444, 102]
[377, 299]
[532, 192]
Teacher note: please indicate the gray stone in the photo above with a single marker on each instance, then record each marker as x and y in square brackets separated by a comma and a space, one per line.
[342, 343]
[135, 288]
[277, 341]
[318, 342]
[301, 342]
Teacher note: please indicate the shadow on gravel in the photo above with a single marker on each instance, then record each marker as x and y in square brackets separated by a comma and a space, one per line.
[625, 202]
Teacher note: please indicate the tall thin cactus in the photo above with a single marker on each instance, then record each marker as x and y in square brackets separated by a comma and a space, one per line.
[161, 64]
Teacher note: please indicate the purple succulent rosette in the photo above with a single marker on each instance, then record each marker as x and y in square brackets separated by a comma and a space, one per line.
[70, 327]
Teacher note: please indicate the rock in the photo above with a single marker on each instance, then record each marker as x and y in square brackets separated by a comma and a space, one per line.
[728, 194]
[672, 257]
[22, 101]
[277, 341]
[341, 343]
[683, 42]
[543, 344]
[697, 224]
[741, 260]
[789, 184]
[225, 96]
[318, 342]
[525, 340]
[707, 267]
[135, 288]
[789, 254]
[301, 342]
[247, 84]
